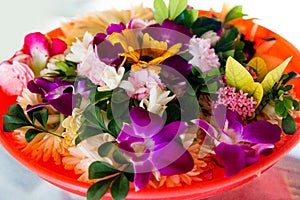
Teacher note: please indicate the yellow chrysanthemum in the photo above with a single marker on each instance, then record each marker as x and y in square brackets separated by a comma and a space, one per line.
[145, 54]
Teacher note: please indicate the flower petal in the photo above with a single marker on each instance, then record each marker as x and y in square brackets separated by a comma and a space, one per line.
[145, 123]
[262, 132]
[232, 156]
[115, 28]
[170, 132]
[64, 103]
[142, 174]
[58, 47]
[209, 129]
[179, 64]
[171, 158]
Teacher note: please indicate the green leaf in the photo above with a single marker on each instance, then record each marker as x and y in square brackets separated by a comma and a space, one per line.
[176, 7]
[119, 157]
[62, 66]
[227, 41]
[31, 133]
[289, 125]
[99, 169]
[204, 24]
[173, 112]
[98, 189]
[94, 116]
[86, 131]
[235, 13]
[236, 75]
[187, 18]
[120, 188]
[161, 11]
[296, 105]
[12, 123]
[105, 149]
[288, 103]
[129, 172]
[274, 76]
[259, 65]
[279, 107]
[114, 128]
[255, 90]
[14, 118]
[41, 116]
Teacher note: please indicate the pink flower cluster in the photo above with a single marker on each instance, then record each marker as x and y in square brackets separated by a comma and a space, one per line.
[237, 101]
[140, 83]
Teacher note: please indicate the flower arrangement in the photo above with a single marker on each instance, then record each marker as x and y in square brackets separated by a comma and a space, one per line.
[154, 97]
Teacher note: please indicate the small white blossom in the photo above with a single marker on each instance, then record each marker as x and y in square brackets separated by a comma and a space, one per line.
[79, 48]
[158, 100]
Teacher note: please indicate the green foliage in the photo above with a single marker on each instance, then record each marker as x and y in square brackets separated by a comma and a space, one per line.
[187, 17]
[117, 181]
[15, 118]
[204, 24]
[284, 103]
[235, 13]
[120, 187]
[162, 12]
[176, 7]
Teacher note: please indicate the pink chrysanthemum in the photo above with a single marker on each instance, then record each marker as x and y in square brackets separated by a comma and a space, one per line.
[140, 83]
[237, 101]
[204, 56]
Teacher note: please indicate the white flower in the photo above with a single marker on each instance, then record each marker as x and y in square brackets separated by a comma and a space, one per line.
[111, 77]
[214, 38]
[51, 67]
[85, 153]
[204, 56]
[158, 100]
[106, 76]
[79, 48]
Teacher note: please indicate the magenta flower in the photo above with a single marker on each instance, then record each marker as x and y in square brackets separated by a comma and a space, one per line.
[150, 145]
[40, 49]
[60, 94]
[239, 146]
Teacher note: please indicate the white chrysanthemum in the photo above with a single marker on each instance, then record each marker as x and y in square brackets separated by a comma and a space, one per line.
[79, 48]
[28, 98]
[204, 56]
[85, 153]
[71, 125]
[158, 100]
[111, 77]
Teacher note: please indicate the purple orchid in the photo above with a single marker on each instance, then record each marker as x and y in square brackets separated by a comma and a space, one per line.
[239, 146]
[59, 94]
[150, 145]
[170, 32]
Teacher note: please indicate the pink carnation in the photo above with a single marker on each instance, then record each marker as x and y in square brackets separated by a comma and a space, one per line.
[92, 68]
[14, 77]
[204, 56]
[140, 83]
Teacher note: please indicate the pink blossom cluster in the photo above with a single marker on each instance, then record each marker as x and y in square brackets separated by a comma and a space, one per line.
[237, 101]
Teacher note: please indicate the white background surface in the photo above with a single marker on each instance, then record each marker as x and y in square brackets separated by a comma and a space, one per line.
[19, 17]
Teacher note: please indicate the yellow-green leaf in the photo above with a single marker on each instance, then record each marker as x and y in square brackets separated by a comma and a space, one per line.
[255, 90]
[176, 7]
[259, 65]
[273, 76]
[161, 11]
[236, 74]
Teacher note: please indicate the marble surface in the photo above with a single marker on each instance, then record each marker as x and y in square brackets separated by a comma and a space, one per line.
[17, 18]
